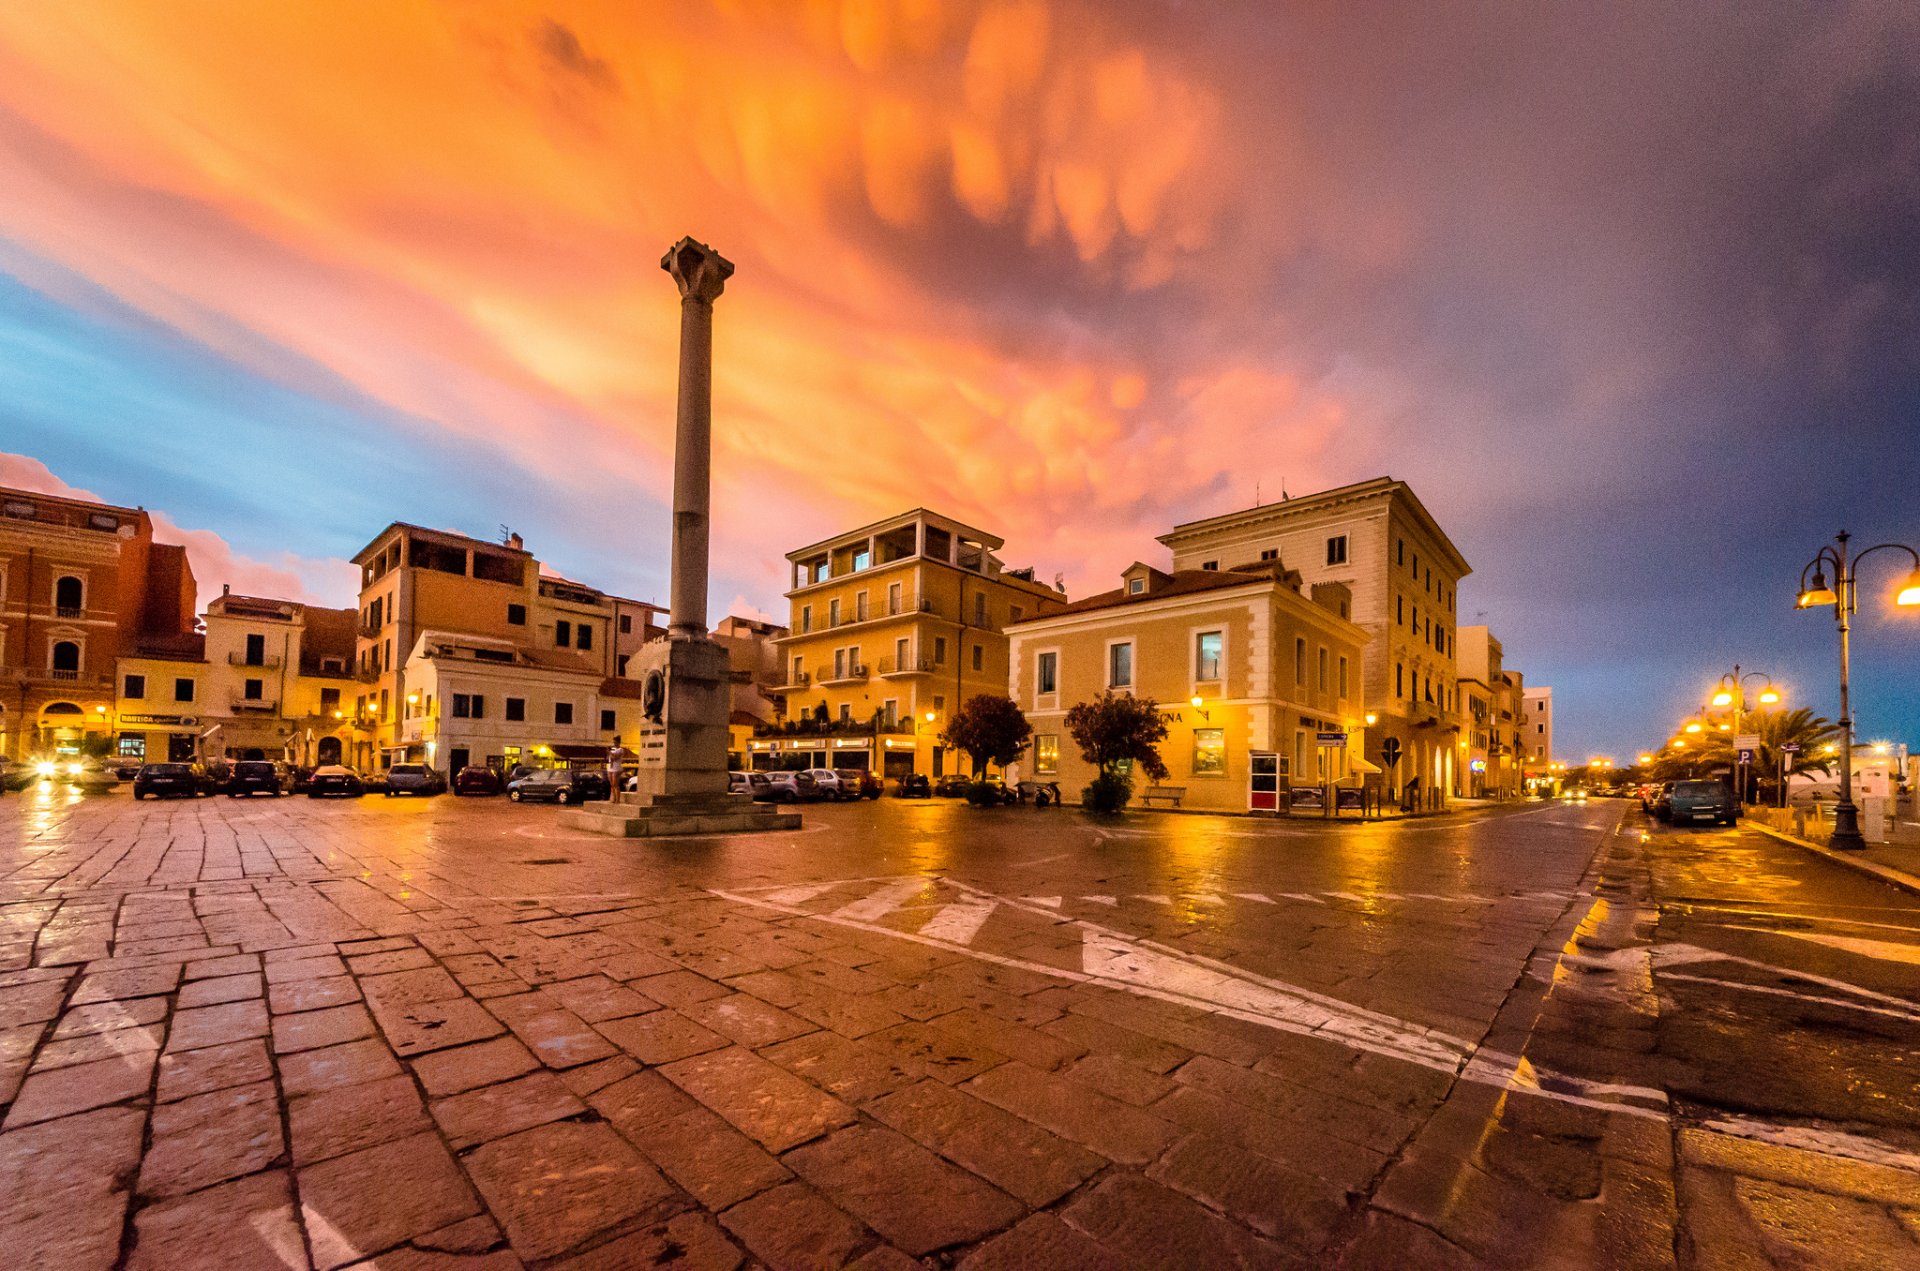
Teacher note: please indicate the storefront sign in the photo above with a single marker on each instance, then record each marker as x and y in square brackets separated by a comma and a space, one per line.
[159, 721]
[1332, 739]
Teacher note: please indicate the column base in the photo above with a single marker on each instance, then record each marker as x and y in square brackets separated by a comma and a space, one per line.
[679, 815]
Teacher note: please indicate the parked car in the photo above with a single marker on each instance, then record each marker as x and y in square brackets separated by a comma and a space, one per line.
[792, 787]
[559, 785]
[126, 769]
[753, 783]
[832, 785]
[865, 783]
[1694, 801]
[163, 779]
[1654, 801]
[951, 786]
[475, 779]
[337, 780]
[914, 786]
[257, 776]
[995, 791]
[414, 778]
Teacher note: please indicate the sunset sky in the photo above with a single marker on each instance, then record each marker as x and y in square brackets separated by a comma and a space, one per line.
[1629, 293]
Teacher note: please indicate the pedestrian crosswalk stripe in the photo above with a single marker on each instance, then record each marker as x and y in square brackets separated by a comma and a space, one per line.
[1051, 902]
[884, 901]
[1101, 900]
[959, 922]
[1254, 895]
[798, 895]
[1300, 895]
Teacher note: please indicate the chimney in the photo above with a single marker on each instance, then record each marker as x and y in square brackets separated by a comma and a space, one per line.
[226, 589]
[515, 542]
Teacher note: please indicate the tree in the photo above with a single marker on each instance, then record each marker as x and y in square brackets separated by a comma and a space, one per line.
[1112, 731]
[1817, 737]
[990, 730]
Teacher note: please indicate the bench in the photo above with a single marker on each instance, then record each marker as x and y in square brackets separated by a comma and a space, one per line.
[1172, 794]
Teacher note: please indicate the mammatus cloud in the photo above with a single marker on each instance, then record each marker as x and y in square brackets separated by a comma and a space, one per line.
[288, 576]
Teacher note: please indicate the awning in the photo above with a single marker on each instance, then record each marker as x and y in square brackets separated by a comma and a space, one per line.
[577, 750]
[1361, 765]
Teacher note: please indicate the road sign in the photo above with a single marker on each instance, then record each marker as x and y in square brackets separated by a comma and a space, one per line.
[1746, 755]
[1390, 751]
[1790, 747]
[1747, 741]
[1333, 739]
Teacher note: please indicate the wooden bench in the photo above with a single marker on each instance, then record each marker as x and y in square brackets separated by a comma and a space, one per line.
[1172, 794]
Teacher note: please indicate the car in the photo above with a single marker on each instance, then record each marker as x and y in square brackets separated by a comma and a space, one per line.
[475, 779]
[1690, 802]
[558, 785]
[792, 787]
[914, 786]
[952, 786]
[864, 782]
[752, 783]
[336, 780]
[832, 785]
[1654, 797]
[163, 779]
[257, 776]
[75, 772]
[1577, 794]
[413, 778]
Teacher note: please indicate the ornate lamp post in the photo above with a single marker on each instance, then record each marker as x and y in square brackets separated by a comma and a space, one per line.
[1844, 596]
[1732, 691]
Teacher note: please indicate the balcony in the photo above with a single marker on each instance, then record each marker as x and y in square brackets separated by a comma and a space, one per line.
[905, 607]
[47, 676]
[254, 705]
[69, 611]
[795, 682]
[852, 673]
[264, 663]
[895, 668]
[808, 726]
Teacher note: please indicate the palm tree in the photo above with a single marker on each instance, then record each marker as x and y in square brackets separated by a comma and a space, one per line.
[1815, 734]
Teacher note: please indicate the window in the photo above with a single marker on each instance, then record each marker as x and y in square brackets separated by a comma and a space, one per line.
[839, 664]
[1209, 752]
[1046, 754]
[1541, 729]
[940, 650]
[860, 606]
[516, 615]
[893, 598]
[854, 664]
[1269, 553]
[329, 700]
[939, 705]
[253, 690]
[979, 658]
[183, 690]
[1299, 661]
[1343, 678]
[1400, 611]
[1120, 665]
[626, 624]
[1337, 550]
[833, 613]
[1399, 551]
[479, 705]
[901, 657]
[1416, 567]
[890, 712]
[846, 713]
[862, 559]
[1416, 619]
[1206, 656]
[806, 618]
[621, 667]
[586, 637]
[562, 634]
[1135, 586]
[1210, 565]
[256, 650]
[607, 723]
[1046, 675]
[1323, 668]
[799, 675]
[1014, 614]
[1398, 689]
[516, 708]
[463, 706]
[563, 712]
[980, 609]
[135, 687]
[66, 656]
[69, 596]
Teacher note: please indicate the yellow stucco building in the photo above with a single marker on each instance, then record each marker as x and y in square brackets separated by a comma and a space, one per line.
[1242, 663]
[892, 626]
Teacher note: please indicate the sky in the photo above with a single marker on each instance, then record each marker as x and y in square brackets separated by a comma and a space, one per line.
[1629, 294]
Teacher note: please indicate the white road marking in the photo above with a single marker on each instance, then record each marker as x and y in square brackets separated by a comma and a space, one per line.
[1808, 1139]
[1102, 900]
[1051, 902]
[1879, 950]
[885, 901]
[1771, 990]
[959, 922]
[1254, 895]
[1300, 895]
[795, 895]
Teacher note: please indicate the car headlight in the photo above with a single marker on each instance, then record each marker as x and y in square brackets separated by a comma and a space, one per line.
[75, 769]
[44, 768]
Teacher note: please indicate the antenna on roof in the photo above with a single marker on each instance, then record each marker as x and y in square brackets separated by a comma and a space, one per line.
[1060, 583]
[506, 532]
[1256, 494]
[1284, 496]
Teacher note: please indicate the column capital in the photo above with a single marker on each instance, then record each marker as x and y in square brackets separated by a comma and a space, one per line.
[700, 271]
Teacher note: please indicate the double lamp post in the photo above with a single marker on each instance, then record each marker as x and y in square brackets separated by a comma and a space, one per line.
[1843, 594]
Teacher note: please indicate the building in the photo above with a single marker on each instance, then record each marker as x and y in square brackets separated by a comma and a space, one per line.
[1536, 728]
[1490, 710]
[893, 626]
[753, 656]
[1242, 663]
[80, 583]
[415, 580]
[1403, 574]
[267, 678]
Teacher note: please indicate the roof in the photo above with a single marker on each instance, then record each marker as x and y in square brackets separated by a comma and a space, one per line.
[744, 719]
[991, 542]
[1358, 490]
[329, 633]
[188, 646]
[1186, 582]
[443, 536]
[615, 686]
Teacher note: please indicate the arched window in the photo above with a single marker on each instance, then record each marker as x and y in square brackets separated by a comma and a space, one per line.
[66, 656]
[69, 596]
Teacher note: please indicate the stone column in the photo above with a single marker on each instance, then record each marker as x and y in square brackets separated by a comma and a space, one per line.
[701, 274]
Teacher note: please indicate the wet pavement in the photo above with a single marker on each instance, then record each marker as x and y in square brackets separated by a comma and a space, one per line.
[447, 1033]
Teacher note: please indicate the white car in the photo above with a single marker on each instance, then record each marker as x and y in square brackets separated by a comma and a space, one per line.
[831, 785]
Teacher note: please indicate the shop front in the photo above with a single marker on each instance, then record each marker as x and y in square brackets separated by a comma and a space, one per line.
[144, 738]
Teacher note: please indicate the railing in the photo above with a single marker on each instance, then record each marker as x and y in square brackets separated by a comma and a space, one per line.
[69, 611]
[885, 609]
[244, 705]
[798, 679]
[850, 673]
[368, 630]
[903, 666]
[263, 662]
[808, 726]
[54, 676]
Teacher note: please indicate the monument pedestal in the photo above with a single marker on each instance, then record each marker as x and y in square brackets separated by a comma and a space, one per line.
[682, 774]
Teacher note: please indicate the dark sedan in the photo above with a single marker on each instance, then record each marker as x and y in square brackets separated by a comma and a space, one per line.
[413, 778]
[335, 780]
[474, 779]
[558, 785]
[914, 786]
[952, 786]
[162, 780]
[257, 776]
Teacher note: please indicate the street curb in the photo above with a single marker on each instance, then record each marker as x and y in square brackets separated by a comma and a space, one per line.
[1886, 874]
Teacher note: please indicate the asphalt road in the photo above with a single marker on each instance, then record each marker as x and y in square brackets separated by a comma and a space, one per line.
[1536, 1035]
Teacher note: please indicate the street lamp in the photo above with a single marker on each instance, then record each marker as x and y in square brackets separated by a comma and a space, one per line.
[1844, 596]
